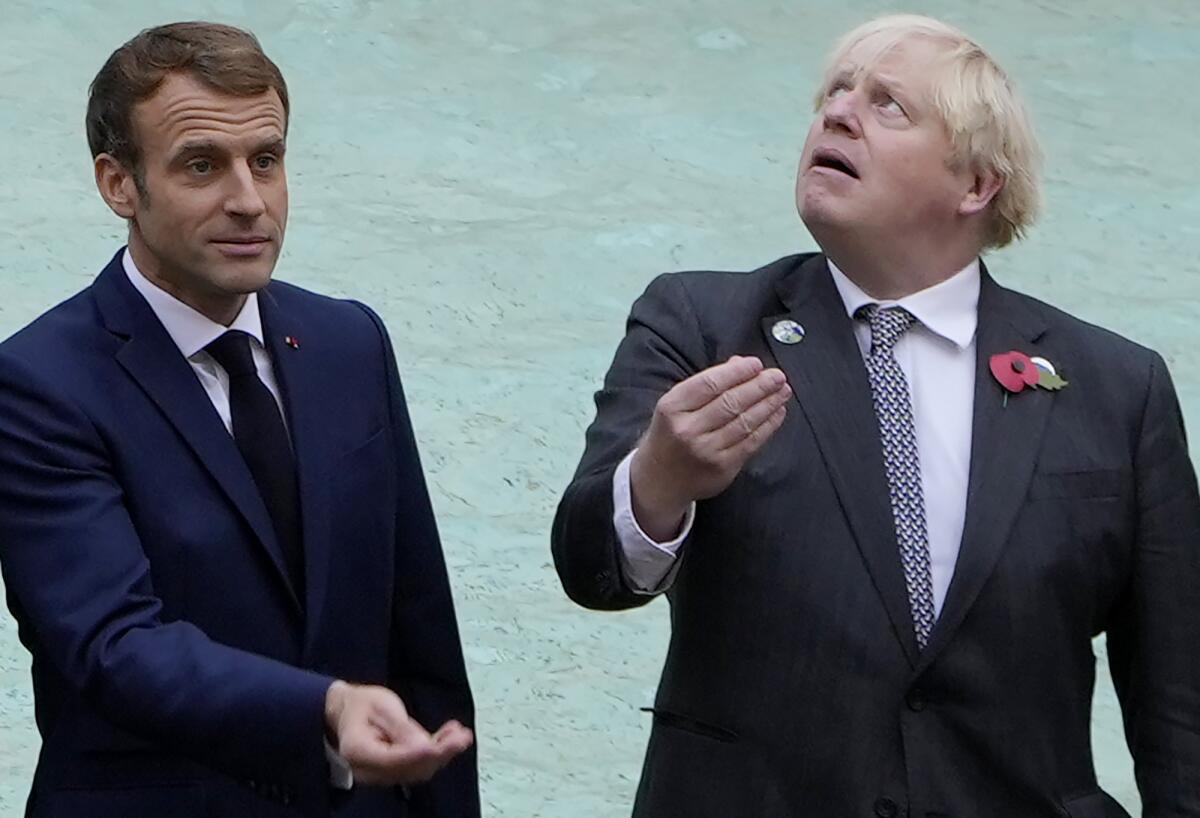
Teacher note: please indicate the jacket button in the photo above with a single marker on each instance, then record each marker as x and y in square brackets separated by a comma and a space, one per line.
[886, 808]
[915, 700]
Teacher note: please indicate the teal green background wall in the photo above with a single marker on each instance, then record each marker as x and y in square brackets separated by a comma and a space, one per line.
[501, 179]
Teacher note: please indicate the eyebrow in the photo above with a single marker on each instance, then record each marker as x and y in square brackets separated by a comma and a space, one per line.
[910, 100]
[276, 146]
[842, 75]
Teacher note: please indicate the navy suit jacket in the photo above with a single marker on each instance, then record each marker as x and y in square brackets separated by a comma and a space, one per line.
[176, 670]
[794, 687]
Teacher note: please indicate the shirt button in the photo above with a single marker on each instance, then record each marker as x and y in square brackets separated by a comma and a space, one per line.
[886, 808]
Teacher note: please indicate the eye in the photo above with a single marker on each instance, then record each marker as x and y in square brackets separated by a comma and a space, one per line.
[892, 106]
[836, 90]
[200, 167]
[265, 162]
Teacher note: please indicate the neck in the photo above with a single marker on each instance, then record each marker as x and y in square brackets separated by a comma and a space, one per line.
[220, 307]
[895, 271]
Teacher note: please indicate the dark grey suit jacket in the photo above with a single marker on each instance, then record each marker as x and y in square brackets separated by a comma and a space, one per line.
[793, 685]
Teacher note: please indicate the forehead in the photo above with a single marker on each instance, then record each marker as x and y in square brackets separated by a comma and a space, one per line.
[184, 109]
[913, 59]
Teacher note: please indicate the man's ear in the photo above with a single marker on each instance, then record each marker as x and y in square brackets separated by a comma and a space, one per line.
[987, 184]
[117, 185]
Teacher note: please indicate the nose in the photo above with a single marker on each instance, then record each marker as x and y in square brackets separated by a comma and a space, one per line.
[841, 113]
[244, 199]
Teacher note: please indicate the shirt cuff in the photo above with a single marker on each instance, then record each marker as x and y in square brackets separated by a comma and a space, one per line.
[341, 777]
[649, 567]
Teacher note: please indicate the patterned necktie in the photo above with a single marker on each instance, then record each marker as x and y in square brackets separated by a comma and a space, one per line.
[263, 441]
[893, 410]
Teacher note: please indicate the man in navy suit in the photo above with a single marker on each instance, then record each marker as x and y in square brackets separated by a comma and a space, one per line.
[214, 530]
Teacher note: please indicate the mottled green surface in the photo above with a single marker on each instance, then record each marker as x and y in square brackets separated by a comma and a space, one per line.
[501, 179]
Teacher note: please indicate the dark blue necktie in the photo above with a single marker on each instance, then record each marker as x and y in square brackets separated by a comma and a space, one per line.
[263, 441]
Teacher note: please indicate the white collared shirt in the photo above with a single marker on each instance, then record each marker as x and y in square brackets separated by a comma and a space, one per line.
[937, 356]
[192, 331]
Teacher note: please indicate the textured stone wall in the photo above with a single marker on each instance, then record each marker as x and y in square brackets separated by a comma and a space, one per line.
[501, 179]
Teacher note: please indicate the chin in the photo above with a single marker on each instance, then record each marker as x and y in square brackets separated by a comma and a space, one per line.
[247, 278]
[817, 212]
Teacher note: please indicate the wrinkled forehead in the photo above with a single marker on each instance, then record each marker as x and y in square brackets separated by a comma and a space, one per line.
[920, 56]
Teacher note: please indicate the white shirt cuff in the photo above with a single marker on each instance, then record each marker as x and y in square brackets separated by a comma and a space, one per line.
[650, 567]
[341, 777]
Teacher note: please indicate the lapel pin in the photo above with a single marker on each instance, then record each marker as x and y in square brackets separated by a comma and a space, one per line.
[787, 332]
[1015, 370]
[291, 341]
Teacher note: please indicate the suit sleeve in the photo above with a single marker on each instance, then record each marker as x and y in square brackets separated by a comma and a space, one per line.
[1156, 629]
[426, 663]
[75, 569]
[663, 345]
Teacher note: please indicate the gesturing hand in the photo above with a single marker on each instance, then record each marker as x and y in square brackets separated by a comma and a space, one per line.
[702, 433]
[370, 727]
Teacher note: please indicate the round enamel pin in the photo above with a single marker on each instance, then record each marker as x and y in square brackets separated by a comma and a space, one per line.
[787, 332]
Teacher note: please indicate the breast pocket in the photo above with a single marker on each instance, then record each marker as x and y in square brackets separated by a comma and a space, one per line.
[1088, 484]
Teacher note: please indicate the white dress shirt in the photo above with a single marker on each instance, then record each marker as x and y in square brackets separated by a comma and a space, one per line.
[192, 331]
[937, 356]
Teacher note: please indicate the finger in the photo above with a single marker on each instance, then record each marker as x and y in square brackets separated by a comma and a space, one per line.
[369, 750]
[736, 400]
[701, 388]
[744, 425]
[412, 763]
[380, 761]
[452, 738]
[757, 439]
[387, 712]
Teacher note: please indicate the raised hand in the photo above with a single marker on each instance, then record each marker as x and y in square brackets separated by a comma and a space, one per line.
[701, 435]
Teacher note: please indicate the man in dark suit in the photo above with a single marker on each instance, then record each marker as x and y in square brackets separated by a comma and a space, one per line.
[214, 530]
[890, 501]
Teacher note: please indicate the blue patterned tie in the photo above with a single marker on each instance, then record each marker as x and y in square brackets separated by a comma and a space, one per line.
[893, 409]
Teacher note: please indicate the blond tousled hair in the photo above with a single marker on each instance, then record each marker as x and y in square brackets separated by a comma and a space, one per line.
[987, 122]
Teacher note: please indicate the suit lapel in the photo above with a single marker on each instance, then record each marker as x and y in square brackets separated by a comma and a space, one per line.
[299, 369]
[153, 361]
[829, 379]
[1005, 439]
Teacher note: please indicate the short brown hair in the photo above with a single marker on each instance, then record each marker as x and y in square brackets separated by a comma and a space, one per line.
[226, 59]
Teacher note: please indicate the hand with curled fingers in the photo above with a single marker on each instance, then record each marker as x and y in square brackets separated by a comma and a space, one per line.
[370, 727]
[702, 433]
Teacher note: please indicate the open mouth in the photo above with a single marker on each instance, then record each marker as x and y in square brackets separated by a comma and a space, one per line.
[833, 160]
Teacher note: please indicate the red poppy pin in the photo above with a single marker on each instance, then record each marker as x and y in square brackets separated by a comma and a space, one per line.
[1016, 370]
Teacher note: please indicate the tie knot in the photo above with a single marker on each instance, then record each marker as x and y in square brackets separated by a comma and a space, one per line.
[232, 351]
[887, 325]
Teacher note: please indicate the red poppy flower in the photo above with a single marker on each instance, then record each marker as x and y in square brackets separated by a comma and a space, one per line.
[1014, 370]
